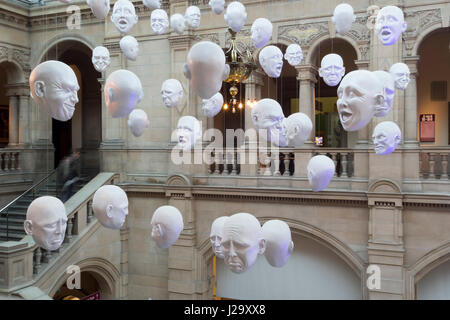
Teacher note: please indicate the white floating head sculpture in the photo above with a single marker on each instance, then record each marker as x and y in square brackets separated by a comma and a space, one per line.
[261, 32]
[216, 236]
[46, 221]
[100, 58]
[124, 16]
[242, 242]
[279, 245]
[235, 16]
[123, 91]
[296, 129]
[167, 224]
[386, 137]
[54, 87]
[192, 16]
[332, 69]
[389, 25]
[400, 73]
[110, 206]
[99, 8]
[211, 107]
[138, 122]
[177, 23]
[159, 21]
[294, 54]
[130, 47]
[171, 92]
[343, 17]
[152, 4]
[217, 6]
[206, 68]
[389, 90]
[268, 114]
[189, 131]
[360, 95]
[320, 171]
[271, 60]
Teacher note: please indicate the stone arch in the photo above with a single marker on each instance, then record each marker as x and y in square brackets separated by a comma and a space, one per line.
[312, 48]
[14, 71]
[178, 180]
[384, 186]
[423, 266]
[423, 35]
[342, 250]
[281, 41]
[102, 270]
[59, 39]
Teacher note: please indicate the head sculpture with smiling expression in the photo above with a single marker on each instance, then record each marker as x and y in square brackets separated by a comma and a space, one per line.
[110, 206]
[100, 58]
[54, 87]
[159, 21]
[360, 95]
[124, 16]
[46, 221]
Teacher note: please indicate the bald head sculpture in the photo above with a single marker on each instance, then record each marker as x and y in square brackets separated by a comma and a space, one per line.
[216, 236]
[279, 245]
[389, 25]
[320, 172]
[167, 224]
[386, 137]
[100, 58]
[332, 69]
[110, 206]
[124, 16]
[271, 60]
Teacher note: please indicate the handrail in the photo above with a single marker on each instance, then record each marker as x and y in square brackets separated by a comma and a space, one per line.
[28, 190]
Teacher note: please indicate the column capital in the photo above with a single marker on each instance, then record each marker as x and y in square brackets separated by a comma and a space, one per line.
[362, 64]
[412, 62]
[17, 89]
[256, 77]
[307, 72]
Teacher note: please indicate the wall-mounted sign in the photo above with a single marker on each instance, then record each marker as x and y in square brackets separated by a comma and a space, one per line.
[93, 296]
[427, 123]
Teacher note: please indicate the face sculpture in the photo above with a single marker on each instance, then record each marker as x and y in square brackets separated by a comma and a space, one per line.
[386, 137]
[152, 4]
[235, 16]
[242, 242]
[332, 69]
[54, 86]
[217, 6]
[99, 8]
[360, 95]
[110, 206]
[268, 114]
[400, 73]
[138, 122]
[216, 236]
[279, 245]
[389, 90]
[159, 21]
[46, 221]
[206, 68]
[189, 131]
[296, 129]
[294, 54]
[124, 16]
[320, 171]
[123, 91]
[211, 107]
[261, 32]
[129, 47]
[167, 224]
[177, 23]
[192, 16]
[171, 92]
[343, 18]
[100, 58]
[389, 25]
[271, 60]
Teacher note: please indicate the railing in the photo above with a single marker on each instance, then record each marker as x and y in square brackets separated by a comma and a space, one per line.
[279, 163]
[434, 164]
[9, 160]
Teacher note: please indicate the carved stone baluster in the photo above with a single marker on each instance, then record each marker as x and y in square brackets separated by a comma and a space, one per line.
[421, 171]
[2, 161]
[444, 161]
[267, 171]
[12, 161]
[217, 162]
[344, 164]
[6, 161]
[68, 237]
[233, 164]
[276, 164]
[431, 174]
[37, 260]
[89, 212]
[336, 163]
[17, 165]
[46, 256]
[286, 160]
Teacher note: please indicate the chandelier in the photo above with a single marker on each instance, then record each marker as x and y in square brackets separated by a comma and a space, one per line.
[241, 66]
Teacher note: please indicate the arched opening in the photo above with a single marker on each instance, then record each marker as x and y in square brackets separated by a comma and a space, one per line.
[435, 285]
[92, 287]
[433, 85]
[327, 124]
[312, 272]
[82, 132]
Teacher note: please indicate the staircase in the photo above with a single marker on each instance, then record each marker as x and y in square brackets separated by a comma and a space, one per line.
[13, 215]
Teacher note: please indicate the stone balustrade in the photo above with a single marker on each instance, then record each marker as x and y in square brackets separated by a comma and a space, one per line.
[434, 163]
[9, 160]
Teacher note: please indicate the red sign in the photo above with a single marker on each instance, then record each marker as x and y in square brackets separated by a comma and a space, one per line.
[427, 122]
[93, 296]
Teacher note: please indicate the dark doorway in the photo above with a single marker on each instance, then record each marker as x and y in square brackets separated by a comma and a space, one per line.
[61, 139]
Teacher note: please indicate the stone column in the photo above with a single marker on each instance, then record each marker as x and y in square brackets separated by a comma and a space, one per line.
[24, 120]
[363, 134]
[13, 121]
[307, 77]
[410, 139]
[252, 92]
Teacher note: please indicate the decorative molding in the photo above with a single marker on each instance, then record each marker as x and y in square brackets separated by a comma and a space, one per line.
[15, 54]
[178, 180]
[418, 22]
[410, 204]
[303, 34]
[359, 31]
[385, 186]
[213, 37]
